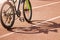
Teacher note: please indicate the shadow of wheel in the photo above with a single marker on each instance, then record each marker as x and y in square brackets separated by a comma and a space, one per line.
[44, 27]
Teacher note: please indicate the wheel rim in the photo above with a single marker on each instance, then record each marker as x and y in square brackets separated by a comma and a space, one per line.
[7, 15]
[27, 11]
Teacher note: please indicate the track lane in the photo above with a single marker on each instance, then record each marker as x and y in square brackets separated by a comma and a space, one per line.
[53, 11]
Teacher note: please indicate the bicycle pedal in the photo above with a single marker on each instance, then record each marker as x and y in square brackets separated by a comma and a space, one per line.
[22, 19]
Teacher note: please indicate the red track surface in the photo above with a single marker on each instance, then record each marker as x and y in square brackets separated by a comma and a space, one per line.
[42, 10]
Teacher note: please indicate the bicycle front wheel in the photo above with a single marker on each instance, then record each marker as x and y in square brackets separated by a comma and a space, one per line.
[27, 10]
[7, 15]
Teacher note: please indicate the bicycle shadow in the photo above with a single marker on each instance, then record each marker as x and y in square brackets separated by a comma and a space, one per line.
[42, 28]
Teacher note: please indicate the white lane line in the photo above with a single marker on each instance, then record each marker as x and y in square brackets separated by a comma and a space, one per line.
[2, 36]
[47, 21]
[46, 5]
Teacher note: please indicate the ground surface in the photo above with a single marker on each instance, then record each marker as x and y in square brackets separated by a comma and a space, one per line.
[43, 11]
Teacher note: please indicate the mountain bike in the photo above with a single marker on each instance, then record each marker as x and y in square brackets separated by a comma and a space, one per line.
[8, 12]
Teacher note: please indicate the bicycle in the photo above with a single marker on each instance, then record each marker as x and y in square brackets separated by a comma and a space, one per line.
[8, 13]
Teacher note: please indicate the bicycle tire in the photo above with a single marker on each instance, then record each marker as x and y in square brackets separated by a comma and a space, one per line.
[28, 20]
[2, 22]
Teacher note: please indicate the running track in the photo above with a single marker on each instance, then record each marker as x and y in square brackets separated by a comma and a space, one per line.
[45, 10]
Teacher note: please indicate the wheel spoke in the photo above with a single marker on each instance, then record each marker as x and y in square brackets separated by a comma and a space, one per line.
[27, 11]
[7, 14]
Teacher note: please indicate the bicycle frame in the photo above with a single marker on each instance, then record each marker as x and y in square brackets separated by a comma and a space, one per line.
[18, 5]
[23, 1]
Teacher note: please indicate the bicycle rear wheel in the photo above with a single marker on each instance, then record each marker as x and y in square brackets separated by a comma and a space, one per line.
[27, 10]
[7, 15]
